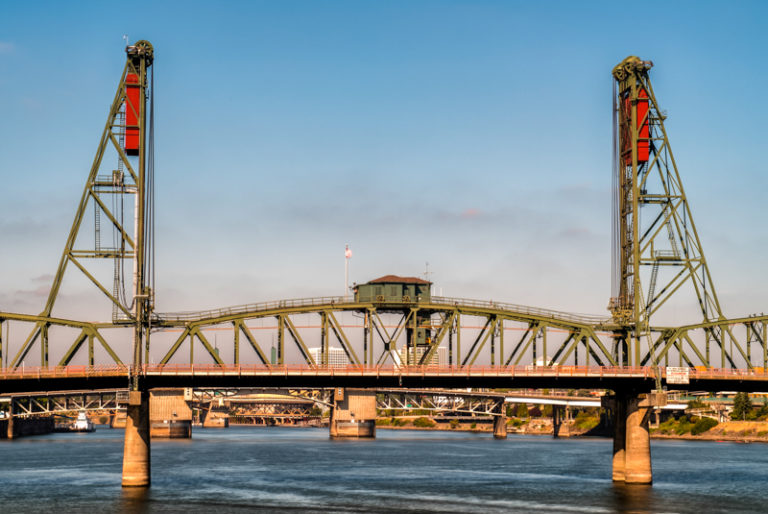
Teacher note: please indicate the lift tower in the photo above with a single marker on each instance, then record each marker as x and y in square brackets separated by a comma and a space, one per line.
[654, 235]
[136, 452]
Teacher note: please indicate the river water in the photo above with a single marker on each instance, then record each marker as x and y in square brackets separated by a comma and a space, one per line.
[241, 469]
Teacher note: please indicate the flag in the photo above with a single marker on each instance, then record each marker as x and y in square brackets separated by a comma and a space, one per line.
[347, 252]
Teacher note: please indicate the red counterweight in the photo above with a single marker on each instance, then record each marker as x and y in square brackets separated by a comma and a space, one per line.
[643, 132]
[132, 113]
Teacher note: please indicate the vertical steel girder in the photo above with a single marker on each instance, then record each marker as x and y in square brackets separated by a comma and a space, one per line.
[116, 185]
[646, 174]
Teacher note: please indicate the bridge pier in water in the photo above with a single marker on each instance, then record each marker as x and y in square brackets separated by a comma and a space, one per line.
[353, 413]
[11, 428]
[561, 417]
[631, 435]
[136, 451]
[500, 421]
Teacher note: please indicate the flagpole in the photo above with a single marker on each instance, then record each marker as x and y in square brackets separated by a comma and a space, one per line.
[347, 254]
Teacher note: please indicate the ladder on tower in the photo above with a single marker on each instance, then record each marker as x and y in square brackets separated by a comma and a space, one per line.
[652, 285]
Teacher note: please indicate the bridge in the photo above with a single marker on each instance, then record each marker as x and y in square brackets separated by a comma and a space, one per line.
[401, 336]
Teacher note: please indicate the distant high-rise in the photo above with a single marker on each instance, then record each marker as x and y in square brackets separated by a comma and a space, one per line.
[439, 358]
[337, 357]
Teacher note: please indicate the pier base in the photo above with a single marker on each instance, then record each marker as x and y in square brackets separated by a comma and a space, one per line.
[11, 428]
[561, 417]
[353, 413]
[619, 439]
[631, 439]
[136, 452]
[500, 421]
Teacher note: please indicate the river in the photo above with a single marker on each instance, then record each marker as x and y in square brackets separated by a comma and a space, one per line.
[242, 469]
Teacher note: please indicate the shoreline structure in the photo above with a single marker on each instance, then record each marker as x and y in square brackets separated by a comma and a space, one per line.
[730, 431]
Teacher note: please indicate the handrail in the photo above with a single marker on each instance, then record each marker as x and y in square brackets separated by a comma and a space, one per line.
[523, 309]
[340, 300]
[75, 371]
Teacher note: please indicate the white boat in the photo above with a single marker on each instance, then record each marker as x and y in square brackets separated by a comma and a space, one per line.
[82, 424]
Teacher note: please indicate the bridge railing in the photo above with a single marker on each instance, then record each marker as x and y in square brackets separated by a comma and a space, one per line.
[340, 300]
[251, 307]
[37, 372]
[589, 319]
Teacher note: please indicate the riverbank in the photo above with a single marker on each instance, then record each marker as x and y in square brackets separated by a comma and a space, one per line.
[730, 431]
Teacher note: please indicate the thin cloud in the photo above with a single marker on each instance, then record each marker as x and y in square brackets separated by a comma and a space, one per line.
[470, 213]
[6, 48]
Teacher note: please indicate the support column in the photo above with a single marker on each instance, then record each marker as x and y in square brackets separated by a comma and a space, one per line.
[11, 429]
[560, 421]
[136, 452]
[353, 413]
[500, 421]
[637, 464]
[631, 438]
[618, 405]
[333, 431]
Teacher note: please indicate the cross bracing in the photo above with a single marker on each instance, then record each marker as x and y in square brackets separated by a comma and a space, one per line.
[655, 233]
[374, 334]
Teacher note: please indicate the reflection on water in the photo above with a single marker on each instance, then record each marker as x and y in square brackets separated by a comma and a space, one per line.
[634, 498]
[289, 469]
[134, 500]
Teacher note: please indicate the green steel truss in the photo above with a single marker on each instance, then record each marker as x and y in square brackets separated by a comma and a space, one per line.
[471, 332]
[382, 343]
[657, 249]
[108, 188]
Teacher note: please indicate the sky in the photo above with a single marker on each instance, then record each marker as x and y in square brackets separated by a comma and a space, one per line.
[475, 136]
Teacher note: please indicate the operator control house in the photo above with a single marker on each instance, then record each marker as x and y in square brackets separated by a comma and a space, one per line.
[393, 289]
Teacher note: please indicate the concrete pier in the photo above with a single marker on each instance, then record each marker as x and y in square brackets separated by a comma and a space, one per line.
[353, 413]
[637, 452]
[561, 417]
[500, 421]
[631, 438]
[136, 452]
[619, 439]
[11, 429]
[169, 414]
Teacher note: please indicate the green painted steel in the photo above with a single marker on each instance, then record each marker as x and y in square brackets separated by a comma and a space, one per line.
[663, 244]
[473, 331]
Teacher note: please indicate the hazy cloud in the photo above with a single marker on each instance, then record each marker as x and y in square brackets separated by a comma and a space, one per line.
[6, 47]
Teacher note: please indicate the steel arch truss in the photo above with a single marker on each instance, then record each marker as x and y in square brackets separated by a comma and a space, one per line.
[86, 335]
[716, 344]
[385, 334]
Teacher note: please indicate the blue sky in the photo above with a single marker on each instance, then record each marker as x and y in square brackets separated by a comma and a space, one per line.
[472, 135]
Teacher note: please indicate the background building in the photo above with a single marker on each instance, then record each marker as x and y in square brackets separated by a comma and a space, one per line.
[337, 358]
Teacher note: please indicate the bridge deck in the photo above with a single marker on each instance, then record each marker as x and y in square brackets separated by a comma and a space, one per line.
[563, 377]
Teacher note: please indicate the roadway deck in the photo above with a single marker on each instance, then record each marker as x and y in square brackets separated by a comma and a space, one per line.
[212, 376]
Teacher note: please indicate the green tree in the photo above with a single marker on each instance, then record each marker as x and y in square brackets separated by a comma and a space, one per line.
[423, 422]
[522, 410]
[702, 425]
[742, 407]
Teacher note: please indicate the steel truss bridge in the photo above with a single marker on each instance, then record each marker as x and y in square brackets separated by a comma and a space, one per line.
[214, 376]
[501, 334]
[296, 404]
[656, 254]
[45, 403]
